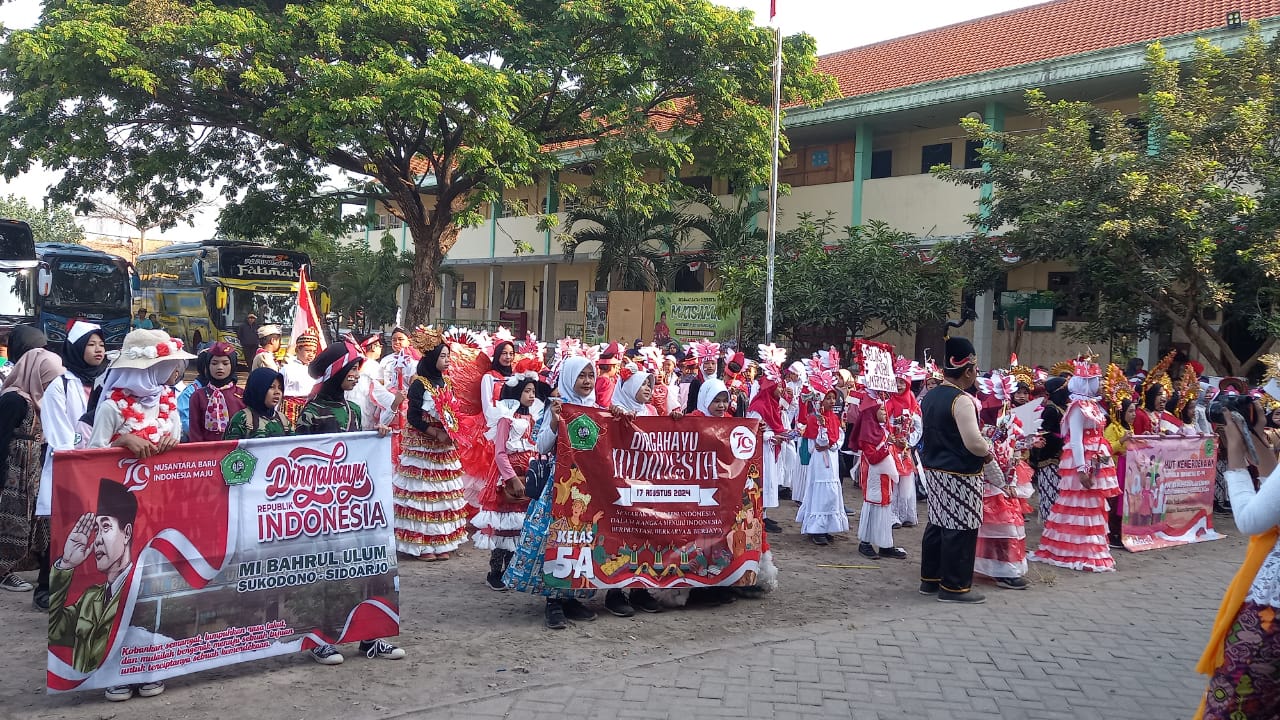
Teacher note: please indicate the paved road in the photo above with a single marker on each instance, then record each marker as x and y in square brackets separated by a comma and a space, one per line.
[1117, 646]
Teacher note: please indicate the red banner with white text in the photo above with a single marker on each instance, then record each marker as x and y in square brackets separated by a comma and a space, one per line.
[655, 503]
[217, 553]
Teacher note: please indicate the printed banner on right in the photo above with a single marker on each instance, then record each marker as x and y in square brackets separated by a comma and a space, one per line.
[1168, 493]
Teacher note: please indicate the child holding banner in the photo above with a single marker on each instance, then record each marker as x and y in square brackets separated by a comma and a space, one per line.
[575, 385]
[217, 398]
[263, 391]
[503, 504]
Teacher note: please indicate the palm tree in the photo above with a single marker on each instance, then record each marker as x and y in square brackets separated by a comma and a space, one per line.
[732, 233]
[638, 246]
[366, 280]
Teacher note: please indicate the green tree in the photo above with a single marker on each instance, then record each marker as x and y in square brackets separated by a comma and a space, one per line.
[52, 224]
[367, 280]
[636, 232]
[724, 232]
[1164, 228]
[454, 99]
[834, 284]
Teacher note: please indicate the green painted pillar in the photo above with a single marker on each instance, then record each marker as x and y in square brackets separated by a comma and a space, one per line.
[495, 209]
[994, 117]
[862, 150]
[370, 211]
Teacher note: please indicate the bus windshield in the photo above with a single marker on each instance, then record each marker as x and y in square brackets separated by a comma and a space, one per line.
[272, 308]
[16, 293]
[89, 282]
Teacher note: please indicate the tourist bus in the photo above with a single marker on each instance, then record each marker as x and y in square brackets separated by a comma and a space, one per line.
[80, 283]
[17, 276]
[201, 292]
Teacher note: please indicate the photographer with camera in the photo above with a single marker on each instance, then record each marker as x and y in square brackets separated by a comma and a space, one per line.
[1242, 655]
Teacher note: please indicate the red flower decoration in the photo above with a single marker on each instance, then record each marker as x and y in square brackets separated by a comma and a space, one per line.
[163, 349]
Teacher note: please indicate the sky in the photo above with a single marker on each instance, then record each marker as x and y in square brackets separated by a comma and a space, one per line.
[835, 24]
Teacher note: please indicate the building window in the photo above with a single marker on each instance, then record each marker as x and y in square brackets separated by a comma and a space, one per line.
[514, 296]
[820, 159]
[881, 164]
[467, 298]
[697, 182]
[1071, 302]
[971, 159]
[930, 155]
[567, 296]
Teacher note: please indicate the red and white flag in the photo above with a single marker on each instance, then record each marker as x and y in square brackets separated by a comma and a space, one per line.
[305, 315]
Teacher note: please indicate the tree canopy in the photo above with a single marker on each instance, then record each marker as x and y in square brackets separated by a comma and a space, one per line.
[835, 283]
[52, 224]
[452, 99]
[1171, 217]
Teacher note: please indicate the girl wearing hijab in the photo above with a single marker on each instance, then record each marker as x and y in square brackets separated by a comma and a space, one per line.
[217, 398]
[260, 416]
[328, 411]
[142, 412]
[1075, 534]
[1046, 457]
[823, 510]
[503, 504]
[713, 400]
[24, 536]
[575, 385]
[878, 474]
[430, 509]
[903, 413]
[23, 339]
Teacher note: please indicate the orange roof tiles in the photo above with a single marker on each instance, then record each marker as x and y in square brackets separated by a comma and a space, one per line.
[1041, 32]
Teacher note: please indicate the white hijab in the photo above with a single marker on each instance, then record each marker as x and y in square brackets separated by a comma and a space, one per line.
[711, 387]
[625, 396]
[570, 369]
[144, 384]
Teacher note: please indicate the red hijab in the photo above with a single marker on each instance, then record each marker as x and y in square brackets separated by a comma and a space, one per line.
[871, 433]
[767, 406]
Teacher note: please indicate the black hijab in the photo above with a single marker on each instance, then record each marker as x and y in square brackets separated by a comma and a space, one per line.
[255, 390]
[503, 370]
[73, 358]
[24, 338]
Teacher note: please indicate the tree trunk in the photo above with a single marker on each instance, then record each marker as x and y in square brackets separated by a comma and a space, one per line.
[434, 234]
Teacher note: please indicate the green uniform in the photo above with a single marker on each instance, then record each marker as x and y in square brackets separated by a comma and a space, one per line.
[86, 626]
[247, 425]
[321, 415]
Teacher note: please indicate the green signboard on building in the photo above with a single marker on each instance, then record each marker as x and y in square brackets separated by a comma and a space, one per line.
[694, 316]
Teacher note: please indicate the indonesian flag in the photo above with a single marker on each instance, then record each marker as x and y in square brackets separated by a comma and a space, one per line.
[305, 315]
[773, 9]
[1013, 359]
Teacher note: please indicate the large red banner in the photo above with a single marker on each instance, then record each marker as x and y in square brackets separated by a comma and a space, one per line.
[654, 502]
[217, 553]
[1168, 493]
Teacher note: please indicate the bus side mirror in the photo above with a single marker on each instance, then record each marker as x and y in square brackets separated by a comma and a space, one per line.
[44, 282]
[324, 303]
[197, 271]
[220, 298]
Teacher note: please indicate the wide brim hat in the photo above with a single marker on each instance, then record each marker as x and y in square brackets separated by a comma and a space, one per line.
[144, 348]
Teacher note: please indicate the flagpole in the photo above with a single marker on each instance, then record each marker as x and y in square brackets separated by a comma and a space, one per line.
[773, 181]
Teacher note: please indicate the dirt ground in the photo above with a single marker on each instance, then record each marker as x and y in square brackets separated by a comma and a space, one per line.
[465, 641]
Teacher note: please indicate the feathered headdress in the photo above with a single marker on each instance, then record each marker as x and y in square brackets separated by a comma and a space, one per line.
[566, 348]
[426, 338]
[822, 381]
[1159, 374]
[464, 337]
[491, 341]
[772, 359]
[1066, 367]
[1086, 366]
[1116, 389]
[902, 368]
[703, 350]
[828, 359]
[1021, 373]
[1188, 386]
[1000, 385]
[651, 356]
[530, 347]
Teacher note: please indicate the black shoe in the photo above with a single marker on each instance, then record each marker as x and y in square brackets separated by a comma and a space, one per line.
[576, 611]
[865, 550]
[908, 525]
[896, 553]
[616, 602]
[643, 601]
[928, 588]
[1011, 583]
[494, 581]
[819, 539]
[897, 526]
[1115, 543]
[830, 538]
[555, 616]
[784, 493]
[40, 601]
[771, 525]
[964, 598]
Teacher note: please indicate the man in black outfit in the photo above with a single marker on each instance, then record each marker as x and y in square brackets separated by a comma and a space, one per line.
[953, 459]
[247, 334]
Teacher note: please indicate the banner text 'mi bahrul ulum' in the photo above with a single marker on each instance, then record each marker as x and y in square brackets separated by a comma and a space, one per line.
[655, 502]
[217, 553]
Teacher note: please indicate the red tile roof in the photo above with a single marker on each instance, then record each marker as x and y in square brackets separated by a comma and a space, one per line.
[1041, 32]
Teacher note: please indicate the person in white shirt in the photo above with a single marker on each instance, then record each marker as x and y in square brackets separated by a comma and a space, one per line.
[298, 382]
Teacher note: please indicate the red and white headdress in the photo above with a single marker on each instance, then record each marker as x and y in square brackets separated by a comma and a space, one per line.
[496, 338]
[651, 356]
[703, 350]
[1085, 367]
[1000, 385]
[772, 358]
[827, 360]
[464, 337]
[823, 381]
[531, 347]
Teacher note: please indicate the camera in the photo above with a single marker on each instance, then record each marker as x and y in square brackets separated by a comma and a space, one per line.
[1224, 404]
